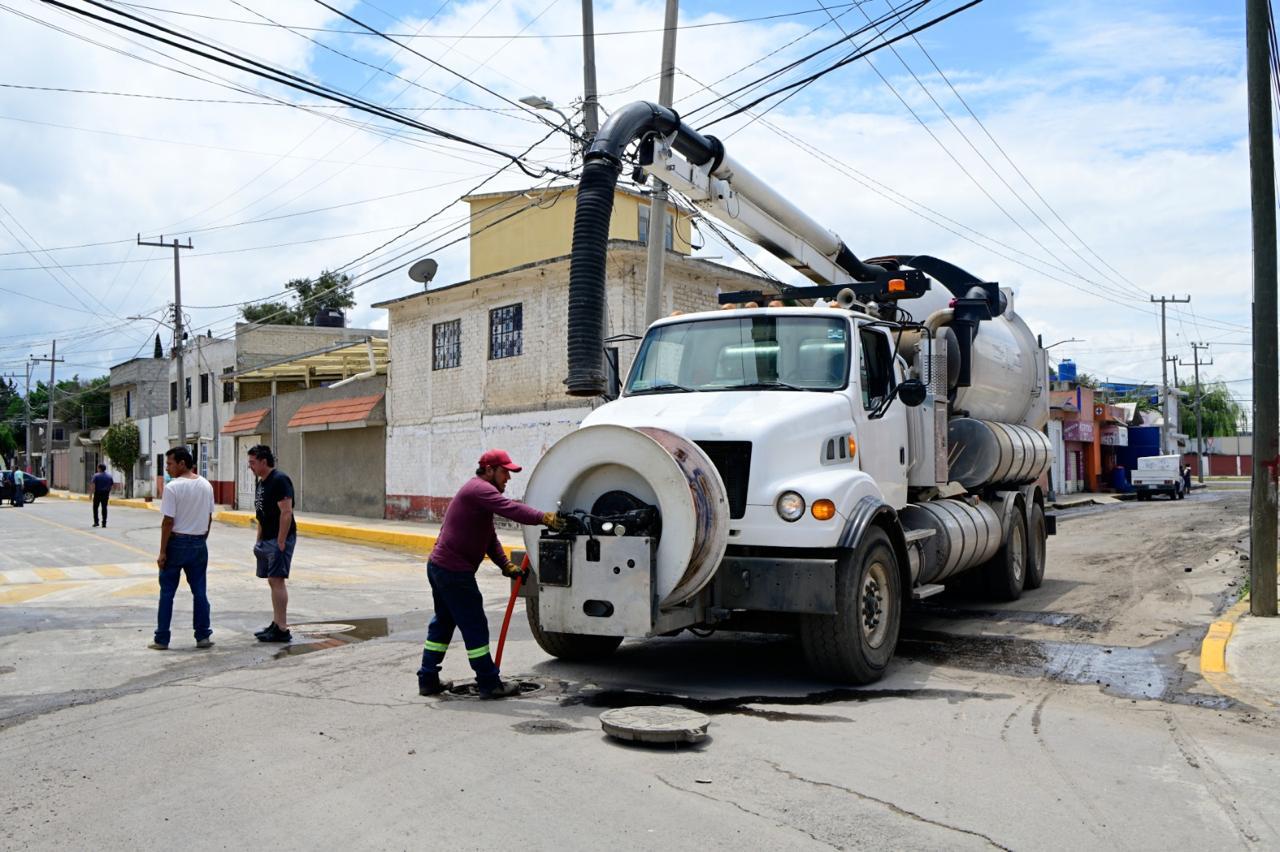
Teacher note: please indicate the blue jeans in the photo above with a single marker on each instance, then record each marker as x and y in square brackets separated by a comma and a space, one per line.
[190, 554]
[458, 603]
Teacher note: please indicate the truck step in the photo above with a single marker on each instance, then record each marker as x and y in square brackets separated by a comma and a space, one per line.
[913, 536]
[928, 590]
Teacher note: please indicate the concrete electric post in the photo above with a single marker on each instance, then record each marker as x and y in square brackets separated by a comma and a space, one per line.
[1266, 434]
[177, 330]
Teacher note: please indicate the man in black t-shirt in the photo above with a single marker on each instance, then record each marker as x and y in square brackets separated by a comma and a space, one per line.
[277, 533]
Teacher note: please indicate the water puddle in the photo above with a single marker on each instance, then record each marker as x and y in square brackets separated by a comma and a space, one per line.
[545, 726]
[1067, 620]
[740, 704]
[321, 636]
[1151, 673]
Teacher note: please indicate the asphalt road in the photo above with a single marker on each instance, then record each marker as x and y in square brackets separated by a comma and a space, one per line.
[1072, 717]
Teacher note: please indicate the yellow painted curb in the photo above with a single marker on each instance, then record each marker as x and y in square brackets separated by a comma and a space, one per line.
[414, 542]
[1213, 649]
[1213, 658]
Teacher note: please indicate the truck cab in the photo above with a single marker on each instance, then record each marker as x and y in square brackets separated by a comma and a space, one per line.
[790, 404]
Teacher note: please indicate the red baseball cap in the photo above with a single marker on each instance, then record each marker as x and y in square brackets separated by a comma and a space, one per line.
[499, 458]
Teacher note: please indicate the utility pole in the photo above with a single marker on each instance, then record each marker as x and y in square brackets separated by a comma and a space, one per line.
[658, 199]
[1173, 359]
[590, 122]
[46, 466]
[1197, 363]
[177, 331]
[1164, 373]
[1266, 440]
[27, 405]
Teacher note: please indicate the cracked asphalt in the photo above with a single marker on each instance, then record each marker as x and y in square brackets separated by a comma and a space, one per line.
[1073, 717]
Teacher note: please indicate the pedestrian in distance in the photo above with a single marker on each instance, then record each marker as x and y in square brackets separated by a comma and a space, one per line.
[277, 534]
[187, 506]
[19, 496]
[102, 483]
[466, 537]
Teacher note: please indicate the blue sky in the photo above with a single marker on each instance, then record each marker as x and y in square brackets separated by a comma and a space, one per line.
[1127, 118]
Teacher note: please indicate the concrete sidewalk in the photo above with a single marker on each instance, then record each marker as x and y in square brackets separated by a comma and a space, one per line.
[413, 536]
[1240, 656]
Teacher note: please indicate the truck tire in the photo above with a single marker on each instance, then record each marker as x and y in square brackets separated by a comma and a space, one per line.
[1006, 573]
[1036, 537]
[856, 644]
[569, 646]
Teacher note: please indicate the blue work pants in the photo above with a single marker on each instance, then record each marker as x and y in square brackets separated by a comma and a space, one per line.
[458, 603]
[186, 553]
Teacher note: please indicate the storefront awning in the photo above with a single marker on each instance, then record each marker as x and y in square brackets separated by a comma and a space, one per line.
[354, 413]
[246, 423]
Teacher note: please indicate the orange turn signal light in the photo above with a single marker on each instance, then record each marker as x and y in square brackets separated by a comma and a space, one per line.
[897, 285]
[823, 510]
[853, 448]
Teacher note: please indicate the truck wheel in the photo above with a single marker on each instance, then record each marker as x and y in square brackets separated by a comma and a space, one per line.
[1176, 494]
[569, 646]
[1036, 536]
[856, 644]
[1006, 573]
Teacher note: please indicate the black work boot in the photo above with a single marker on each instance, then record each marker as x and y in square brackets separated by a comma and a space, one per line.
[433, 685]
[504, 689]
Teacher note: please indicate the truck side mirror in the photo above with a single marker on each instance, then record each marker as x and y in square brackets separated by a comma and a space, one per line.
[912, 392]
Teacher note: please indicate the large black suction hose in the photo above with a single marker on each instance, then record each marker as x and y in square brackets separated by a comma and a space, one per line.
[602, 165]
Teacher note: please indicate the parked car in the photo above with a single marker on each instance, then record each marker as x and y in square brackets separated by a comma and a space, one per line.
[32, 485]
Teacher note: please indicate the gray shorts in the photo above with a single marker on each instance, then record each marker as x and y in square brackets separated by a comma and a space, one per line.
[272, 561]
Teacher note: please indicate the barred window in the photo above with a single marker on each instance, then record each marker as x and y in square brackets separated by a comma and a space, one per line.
[506, 332]
[228, 386]
[446, 345]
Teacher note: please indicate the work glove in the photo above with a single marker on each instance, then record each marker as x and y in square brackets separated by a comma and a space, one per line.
[513, 570]
[553, 520]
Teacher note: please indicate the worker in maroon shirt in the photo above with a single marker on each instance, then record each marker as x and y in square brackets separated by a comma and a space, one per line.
[466, 537]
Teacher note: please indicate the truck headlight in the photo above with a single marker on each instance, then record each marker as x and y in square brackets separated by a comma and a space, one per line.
[790, 506]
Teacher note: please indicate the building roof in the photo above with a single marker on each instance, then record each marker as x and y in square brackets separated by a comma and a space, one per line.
[353, 413]
[330, 363]
[245, 423]
[673, 258]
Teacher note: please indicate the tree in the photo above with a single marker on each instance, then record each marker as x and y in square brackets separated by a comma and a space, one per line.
[330, 291]
[8, 443]
[1219, 412]
[1085, 380]
[275, 313]
[123, 445]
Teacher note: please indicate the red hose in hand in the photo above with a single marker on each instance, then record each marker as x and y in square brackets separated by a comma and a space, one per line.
[511, 605]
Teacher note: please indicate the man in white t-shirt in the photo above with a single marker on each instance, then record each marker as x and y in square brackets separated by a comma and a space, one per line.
[187, 506]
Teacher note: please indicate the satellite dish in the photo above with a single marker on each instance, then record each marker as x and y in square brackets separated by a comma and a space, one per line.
[424, 270]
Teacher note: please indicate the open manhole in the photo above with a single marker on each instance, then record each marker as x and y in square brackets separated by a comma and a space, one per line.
[471, 690]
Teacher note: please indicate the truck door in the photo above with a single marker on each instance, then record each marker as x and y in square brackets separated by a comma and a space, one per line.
[882, 442]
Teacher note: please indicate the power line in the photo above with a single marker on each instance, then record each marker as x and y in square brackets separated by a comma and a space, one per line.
[285, 78]
[850, 58]
[442, 36]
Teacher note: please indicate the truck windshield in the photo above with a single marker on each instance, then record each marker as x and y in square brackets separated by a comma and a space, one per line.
[766, 352]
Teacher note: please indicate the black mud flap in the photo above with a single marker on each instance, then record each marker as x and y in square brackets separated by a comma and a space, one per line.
[1051, 523]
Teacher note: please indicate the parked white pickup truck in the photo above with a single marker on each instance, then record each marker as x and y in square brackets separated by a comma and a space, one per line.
[1159, 475]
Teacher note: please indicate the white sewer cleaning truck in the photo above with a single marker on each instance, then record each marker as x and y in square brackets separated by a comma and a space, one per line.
[806, 460]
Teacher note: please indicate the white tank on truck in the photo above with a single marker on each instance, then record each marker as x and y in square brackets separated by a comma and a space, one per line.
[806, 460]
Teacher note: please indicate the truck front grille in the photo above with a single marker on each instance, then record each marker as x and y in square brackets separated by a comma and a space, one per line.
[733, 461]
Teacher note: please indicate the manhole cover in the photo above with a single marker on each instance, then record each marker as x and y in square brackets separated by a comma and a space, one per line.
[470, 690]
[655, 724]
[322, 628]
